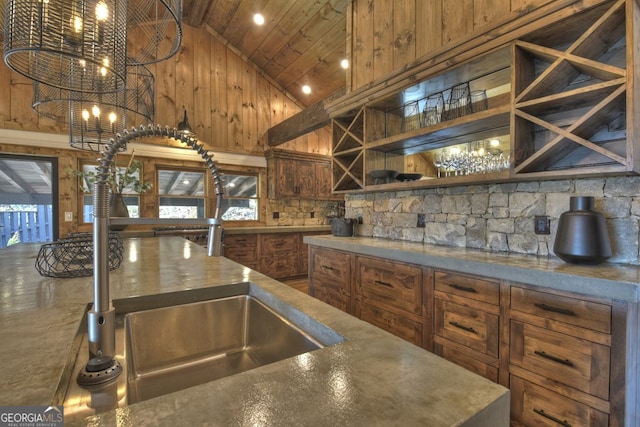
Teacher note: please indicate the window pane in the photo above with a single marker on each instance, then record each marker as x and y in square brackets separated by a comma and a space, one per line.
[181, 183]
[239, 209]
[182, 207]
[132, 202]
[240, 201]
[90, 172]
[28, 193]
[240, 185]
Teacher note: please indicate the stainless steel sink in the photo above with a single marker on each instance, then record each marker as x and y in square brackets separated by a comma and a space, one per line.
[201, 337]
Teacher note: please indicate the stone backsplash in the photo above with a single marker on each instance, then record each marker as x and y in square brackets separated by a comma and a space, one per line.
[295, 212]
[500, 217]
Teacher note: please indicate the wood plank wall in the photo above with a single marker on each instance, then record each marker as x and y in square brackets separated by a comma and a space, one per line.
[386, 36]
[230, 103]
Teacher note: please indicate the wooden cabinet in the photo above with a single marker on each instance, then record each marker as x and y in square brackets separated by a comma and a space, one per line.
[560, 359]
[278, 255]
[330, 277]
[299, 175]
[466, 321]
[242, 248]
[557, 97]
[390, 295]
[569, 359]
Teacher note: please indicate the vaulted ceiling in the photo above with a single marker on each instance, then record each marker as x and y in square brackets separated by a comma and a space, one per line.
[301, 42]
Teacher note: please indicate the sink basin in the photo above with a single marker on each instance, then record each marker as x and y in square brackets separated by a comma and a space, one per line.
[167, 343]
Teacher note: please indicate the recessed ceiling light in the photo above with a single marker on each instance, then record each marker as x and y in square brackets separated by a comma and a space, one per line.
[344, 63]
[185, 182]
[258, 19]
[306, 89]
[494, 142]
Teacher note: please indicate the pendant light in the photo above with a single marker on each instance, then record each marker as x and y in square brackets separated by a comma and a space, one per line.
[94, 119]
[73, 45]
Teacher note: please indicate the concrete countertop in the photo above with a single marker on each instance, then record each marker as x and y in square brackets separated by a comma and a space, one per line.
[372, 378]
[614, 281]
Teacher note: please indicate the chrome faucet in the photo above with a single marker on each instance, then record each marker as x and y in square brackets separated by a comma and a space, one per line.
[101, 317]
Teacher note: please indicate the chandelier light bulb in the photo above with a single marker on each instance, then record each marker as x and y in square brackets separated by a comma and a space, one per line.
[344, 63]
[85, 115]
[95, 111]
[112, 117]
[102, 11]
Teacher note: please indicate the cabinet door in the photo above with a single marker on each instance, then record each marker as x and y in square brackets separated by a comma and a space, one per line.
[387, 283]
[305, 180]
[323, 181]
[532, 405]
[399, 326]
[286, 178]
[578, 363]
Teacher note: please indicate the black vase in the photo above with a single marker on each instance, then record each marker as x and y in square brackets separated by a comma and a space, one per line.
[582, 236]
[118, 208]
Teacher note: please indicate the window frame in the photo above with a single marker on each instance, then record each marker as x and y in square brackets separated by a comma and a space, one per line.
[258, 198]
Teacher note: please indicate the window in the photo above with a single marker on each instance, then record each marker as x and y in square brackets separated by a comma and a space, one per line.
[240, 201]
[182, 193]
[131, 198]
[28, 199]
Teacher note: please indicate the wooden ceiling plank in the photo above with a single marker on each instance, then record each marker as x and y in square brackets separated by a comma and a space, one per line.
[242, 20]
[221, 13]
[197, 12]
[291, 23]
[273, 13]
[318, 27]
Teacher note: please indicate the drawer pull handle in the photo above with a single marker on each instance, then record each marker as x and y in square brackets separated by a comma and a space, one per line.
[556, 309]
[554, 358]
[380, 282]
[327, 267]
[463, 288]
[464, 328]
[551, 417]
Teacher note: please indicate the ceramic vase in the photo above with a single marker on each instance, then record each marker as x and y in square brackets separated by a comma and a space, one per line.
[582, 236]
[118, 208]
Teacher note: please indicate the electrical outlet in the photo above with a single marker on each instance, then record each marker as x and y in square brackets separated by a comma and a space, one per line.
[313, 214]
[276, 215]
[421, 221]
[542, 224]
[68, 217]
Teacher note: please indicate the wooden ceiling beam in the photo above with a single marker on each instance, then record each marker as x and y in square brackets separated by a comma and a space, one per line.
[311, 118]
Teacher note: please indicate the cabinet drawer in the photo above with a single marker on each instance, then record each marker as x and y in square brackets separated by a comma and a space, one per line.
[397, 325]
[332, 264]
[480, 289]
[240, 240]
[328, 292]
[279, 266]
[532, 405]
[278, 242]
[575, 362]
[574, 311]
[241, 254]
[467, 361]
[468, 326]
[390, 283]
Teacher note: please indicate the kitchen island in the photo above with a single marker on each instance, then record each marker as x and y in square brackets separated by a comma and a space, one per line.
[372, 378]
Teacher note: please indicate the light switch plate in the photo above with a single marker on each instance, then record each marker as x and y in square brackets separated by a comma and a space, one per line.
[68, 217]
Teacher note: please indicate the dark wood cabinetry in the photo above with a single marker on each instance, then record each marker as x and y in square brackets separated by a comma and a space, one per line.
[278, 255]
[466, 321]
[560, 358]
[299, 175]
[563, 355]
